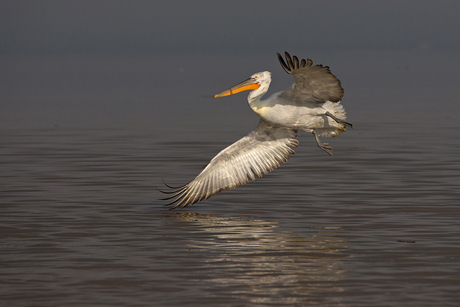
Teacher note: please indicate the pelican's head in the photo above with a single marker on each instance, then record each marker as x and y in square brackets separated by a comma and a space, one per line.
[258, 82]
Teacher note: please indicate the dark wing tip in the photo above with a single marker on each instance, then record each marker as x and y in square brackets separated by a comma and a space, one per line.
[289, 61]
[296, 62]
[283, 64]
[171, 187]
[292, 64]
[179, 196]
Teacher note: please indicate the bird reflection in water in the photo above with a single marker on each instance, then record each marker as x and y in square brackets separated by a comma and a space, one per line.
[258, 263]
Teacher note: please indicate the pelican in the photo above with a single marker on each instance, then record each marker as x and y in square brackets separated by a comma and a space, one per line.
[311, 104]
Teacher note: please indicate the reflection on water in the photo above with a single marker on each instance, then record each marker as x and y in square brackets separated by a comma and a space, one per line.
[254, 261]
[375, 225]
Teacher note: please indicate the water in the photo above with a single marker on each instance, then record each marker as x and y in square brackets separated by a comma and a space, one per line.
[375, 225]
[81, 223]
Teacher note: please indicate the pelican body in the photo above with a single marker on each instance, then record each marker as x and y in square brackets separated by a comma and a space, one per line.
[311, 104]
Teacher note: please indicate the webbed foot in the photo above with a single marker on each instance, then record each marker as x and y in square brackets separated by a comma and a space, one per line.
[323, 146]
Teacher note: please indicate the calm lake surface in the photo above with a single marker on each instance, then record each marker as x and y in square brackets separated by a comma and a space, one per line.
[86, 142]
[375, 225]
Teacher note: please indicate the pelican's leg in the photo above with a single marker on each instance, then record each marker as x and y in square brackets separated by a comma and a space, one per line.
[344, 122]
[323, 146]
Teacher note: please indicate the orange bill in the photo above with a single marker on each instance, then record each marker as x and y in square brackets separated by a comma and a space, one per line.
[246, 85]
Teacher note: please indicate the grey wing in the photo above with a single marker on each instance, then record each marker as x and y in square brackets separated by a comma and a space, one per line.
[258, 153]
[312, 83]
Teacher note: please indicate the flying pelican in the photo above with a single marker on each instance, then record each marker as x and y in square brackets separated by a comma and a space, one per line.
[311, 104]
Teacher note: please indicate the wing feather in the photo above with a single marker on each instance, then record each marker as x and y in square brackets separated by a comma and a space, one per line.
[312, 83]
[258, 153]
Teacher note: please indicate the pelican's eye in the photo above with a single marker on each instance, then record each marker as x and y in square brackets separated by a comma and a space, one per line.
[256, 77]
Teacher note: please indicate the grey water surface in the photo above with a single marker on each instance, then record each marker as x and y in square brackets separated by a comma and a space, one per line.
[375, 225]
[81, 223]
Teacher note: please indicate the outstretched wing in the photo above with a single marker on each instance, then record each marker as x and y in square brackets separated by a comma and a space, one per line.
[312, 83]
[256, 154]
